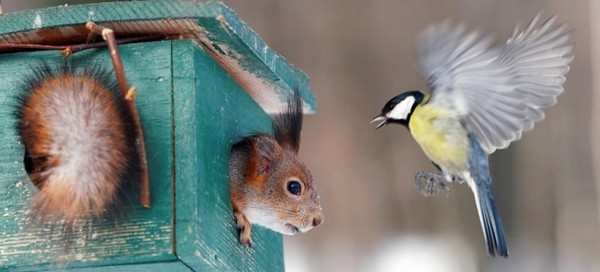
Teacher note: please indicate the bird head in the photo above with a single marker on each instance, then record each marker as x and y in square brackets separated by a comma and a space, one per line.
[399, 109]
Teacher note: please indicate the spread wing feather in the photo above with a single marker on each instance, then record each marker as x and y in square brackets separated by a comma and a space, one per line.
[498, 92]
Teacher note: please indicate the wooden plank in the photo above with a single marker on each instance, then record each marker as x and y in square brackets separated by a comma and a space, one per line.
[211, 113]
[246, 60]
[143, 235]
[175, 266]
[264, 74]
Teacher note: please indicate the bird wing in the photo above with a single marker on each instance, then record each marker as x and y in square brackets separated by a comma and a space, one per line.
[498, 92]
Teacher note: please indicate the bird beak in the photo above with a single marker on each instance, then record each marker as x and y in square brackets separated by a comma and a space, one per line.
[380, 118]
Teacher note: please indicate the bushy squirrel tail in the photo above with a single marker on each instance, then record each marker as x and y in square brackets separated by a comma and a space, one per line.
[78, 141]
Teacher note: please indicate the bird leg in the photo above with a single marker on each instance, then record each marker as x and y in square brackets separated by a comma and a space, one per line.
[430, 184]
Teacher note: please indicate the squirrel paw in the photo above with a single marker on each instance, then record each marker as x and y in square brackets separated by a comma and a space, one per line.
[244, 226]
[430, 184]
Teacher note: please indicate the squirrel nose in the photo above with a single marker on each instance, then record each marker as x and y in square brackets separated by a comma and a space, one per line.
[317, 220]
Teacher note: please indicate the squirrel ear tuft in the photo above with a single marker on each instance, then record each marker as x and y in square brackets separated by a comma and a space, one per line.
[288, 124]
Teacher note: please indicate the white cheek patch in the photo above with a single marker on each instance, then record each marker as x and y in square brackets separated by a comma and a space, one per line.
[402, 109]
[265, 217]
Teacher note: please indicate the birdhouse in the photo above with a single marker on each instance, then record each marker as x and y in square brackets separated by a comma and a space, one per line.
[204, 80]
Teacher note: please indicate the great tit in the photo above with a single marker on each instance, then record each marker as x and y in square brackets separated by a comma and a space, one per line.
[482, 99]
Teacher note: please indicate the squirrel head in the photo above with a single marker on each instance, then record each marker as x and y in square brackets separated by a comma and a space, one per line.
[282, 195]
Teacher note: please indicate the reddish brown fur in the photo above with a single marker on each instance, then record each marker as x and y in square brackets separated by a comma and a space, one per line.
[72, 188]
[260, 170]
[253, 174]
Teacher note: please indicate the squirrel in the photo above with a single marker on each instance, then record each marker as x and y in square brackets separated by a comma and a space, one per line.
[79, 145]
[269, 185]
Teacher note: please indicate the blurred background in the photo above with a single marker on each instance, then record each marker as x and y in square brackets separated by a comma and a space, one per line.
[358, 55]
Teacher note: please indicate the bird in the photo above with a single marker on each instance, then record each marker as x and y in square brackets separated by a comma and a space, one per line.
[482, 97]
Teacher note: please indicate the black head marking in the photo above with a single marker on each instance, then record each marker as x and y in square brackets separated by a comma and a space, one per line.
[390, 105]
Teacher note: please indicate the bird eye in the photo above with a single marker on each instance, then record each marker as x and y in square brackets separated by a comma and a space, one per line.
[294, 187]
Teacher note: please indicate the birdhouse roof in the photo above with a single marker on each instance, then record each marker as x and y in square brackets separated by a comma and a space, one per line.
[267, 77]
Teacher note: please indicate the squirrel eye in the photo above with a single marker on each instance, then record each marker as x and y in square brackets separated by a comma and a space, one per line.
[294, 188]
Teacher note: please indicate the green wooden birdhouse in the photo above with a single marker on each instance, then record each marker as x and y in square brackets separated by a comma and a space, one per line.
[204, 80]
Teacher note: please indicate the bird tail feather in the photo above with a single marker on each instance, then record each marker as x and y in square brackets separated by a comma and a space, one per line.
[481, 184]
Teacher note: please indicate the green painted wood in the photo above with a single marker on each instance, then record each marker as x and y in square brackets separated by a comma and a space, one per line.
[222, 25]
[172, 266]
[211, 113]
[192, 111]
[142, 235]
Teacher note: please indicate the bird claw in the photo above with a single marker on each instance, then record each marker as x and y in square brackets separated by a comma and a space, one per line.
[430, 184]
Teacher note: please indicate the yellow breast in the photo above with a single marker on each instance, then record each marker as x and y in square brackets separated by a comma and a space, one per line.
[441, 136]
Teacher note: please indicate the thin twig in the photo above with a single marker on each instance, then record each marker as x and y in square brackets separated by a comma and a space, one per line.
[129, 95]
[67, 50]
